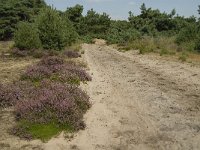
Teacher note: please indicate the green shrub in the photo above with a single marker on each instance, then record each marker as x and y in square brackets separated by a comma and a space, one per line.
[189, 37]
[88, 39]
[130, 35]
[120, 37]
[189, 46]
[55, 32]
[187, 34]
[14, 11]
[27, 37]
[197, 45]
[95, 23]
[148, 30]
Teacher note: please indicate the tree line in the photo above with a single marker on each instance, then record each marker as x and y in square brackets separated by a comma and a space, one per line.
[55, 29]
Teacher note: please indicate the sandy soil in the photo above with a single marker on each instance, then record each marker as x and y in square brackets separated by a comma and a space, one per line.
[140, 102]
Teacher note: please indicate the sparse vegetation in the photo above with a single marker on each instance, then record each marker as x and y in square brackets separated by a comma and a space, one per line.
[183, 57]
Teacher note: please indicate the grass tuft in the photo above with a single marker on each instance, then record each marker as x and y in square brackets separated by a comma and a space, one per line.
[183, 57]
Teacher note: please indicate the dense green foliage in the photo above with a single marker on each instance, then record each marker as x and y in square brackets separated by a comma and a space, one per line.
[188, 34]
[95, 23]
[121, 32]
[50, 31]
[58, 29]
[14, 11]
[91, 25]
[55, 31]
[183, 33]
[27, 37]
[74, 14]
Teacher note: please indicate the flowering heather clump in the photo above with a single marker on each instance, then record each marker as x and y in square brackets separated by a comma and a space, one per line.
[81, 99]
[44, 69]
[53, 101]
[52, 60]
[72, 54]
[11, 93]
[71, 72]
[37, 73]
[56, 68]
[44, 103]
[5, 96]
[79, 72]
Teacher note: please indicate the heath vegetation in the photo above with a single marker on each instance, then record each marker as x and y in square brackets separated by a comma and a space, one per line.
[46, 96]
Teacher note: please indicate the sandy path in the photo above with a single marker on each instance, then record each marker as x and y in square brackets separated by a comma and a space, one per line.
[139, 102]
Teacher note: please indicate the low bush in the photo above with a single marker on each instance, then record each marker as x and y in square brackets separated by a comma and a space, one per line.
[36, 73]
[116, 36]
[56, 69]
[44, 103]
[88, 39]
[51, 61]
[52, 101]
[72, 54]
[188, 46]
[49, 30]
[49, 105]
[55, 31]
[6, 97]
[11, 93]
[187, 34]
[189, 38]
[27, 37]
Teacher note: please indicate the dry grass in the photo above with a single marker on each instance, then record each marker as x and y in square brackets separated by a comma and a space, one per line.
[5, 46]
[164, 47]
[161, 45]
[195, 58]
[75, 46]
[11, 68]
